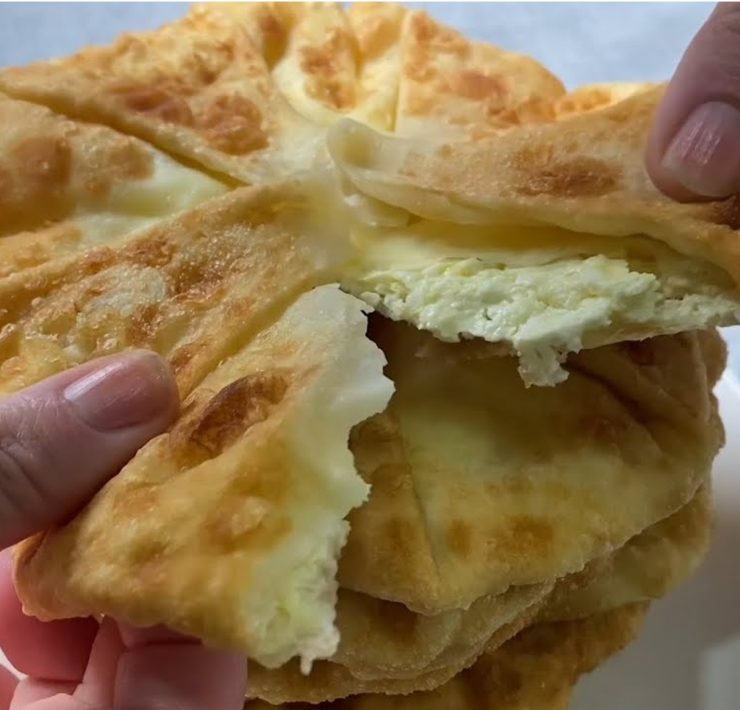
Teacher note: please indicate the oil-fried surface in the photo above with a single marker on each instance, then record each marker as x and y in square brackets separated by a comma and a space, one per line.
[536, 670]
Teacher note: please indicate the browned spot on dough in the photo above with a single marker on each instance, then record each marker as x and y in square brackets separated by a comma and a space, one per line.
[427, 33]
[726, 213]
[398, 535]
[233, 124]
[158, 103]
[321, 64]
[579, 177]
[459, 538]
[477, 86]
[141, 328]
[247, 519]
[208, 430]
[127, 160]
[44, 161]
[182, 357]
[154, 252]
[274, 35]
[522, 535]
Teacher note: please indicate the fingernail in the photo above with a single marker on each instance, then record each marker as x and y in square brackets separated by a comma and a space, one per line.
[704, 156]
[132, 390]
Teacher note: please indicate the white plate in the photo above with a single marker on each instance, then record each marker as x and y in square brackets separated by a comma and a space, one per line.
[688, 655]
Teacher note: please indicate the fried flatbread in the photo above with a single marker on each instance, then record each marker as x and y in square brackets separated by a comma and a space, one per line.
[547, 238]
[479, 484]
[328, 681]
[67, 186]
[199, 88]
[253, 563]
[455, 89]
[188, 288]
[385, 640]
[646, 568]
[536, 670]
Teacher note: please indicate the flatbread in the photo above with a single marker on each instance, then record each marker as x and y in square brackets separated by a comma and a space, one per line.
[191, 288]
[234, 291]
[647, 568]
[199, 88]
[67, 186]
[253, 564]
[592, 97]
[536, 670]
[548, 238]
[328, 681]
[385, 640]
[455, 89]
[534, 470]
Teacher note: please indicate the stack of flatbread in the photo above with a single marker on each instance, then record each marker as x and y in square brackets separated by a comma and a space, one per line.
[446, 355]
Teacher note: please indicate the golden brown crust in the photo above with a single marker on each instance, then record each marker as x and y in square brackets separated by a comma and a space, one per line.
[209, 291]
[585, 174]
[385, 640]
[593, 97]
[55, 174]
[199, 88]
[453, 87]
[184, 289]
[535, 670]
[646, 421]
[328, 681]
[248, 91]
[646, 568]
[268, 520]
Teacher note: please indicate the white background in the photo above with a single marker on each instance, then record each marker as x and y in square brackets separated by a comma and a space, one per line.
[688, 657]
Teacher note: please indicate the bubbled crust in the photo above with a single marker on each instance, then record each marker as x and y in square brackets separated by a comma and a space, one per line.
[455, 88]
[49, 165]
[199, 88]
[187, 289]
[247, 89]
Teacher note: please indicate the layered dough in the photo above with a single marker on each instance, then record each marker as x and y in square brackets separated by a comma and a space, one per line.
[387, 498]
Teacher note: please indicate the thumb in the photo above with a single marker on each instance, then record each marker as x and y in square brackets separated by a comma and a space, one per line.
[694, 148]
[63, 438]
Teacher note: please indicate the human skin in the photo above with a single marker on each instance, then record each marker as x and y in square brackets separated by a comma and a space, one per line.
[108, 409]
[693, 152]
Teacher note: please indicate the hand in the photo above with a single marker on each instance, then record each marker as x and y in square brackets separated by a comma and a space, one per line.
[694, 148]
[60, 441]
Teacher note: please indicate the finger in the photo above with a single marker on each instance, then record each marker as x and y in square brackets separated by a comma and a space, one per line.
[62, 438]
[96, 688]
[165, 671]
[57, 650]
[8, 684]
[694, 148]
[30, 690]
[55, 702]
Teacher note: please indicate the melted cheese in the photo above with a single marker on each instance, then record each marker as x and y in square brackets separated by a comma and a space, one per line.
[544, 291]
